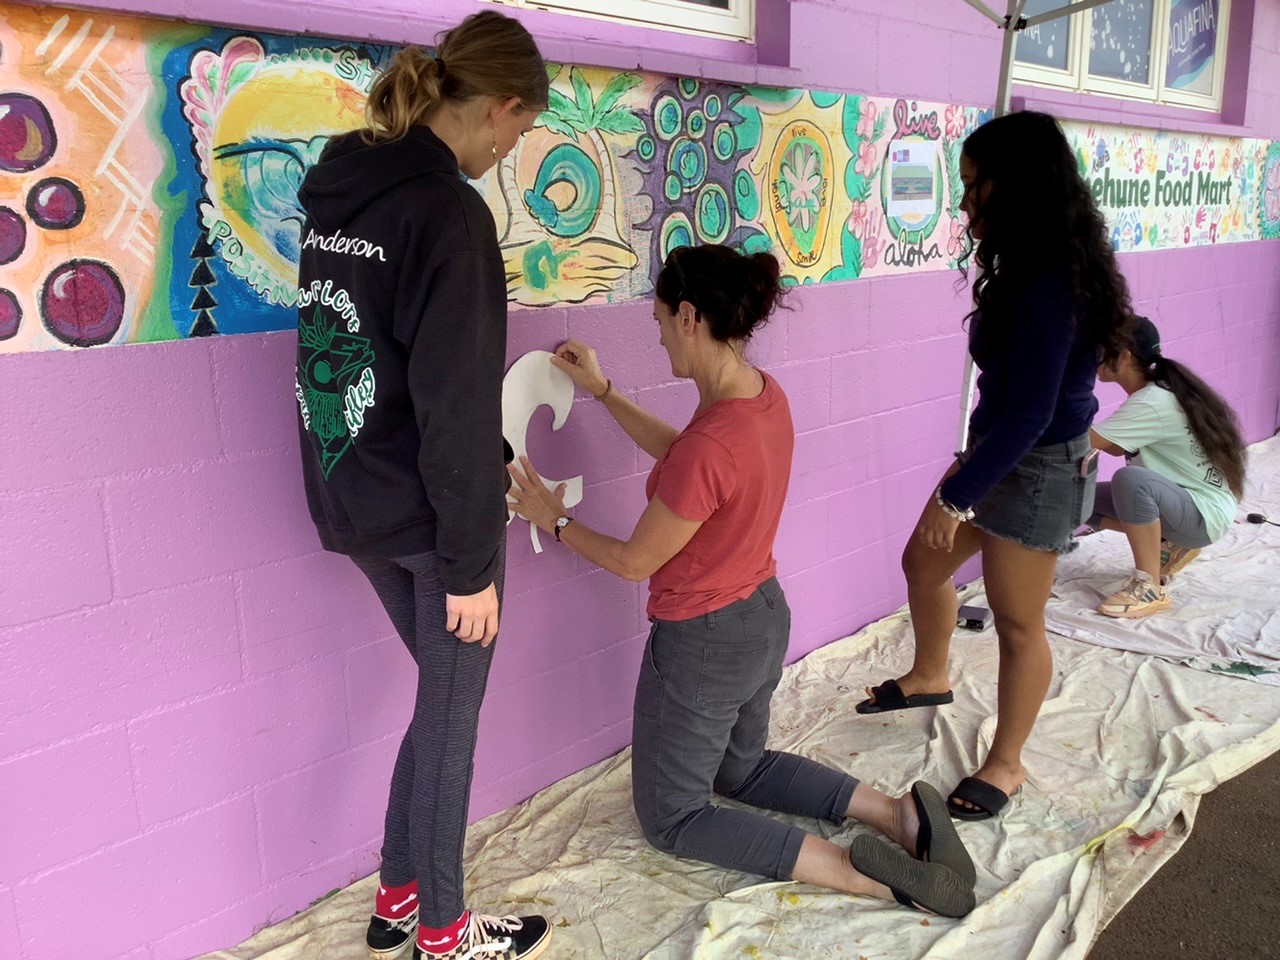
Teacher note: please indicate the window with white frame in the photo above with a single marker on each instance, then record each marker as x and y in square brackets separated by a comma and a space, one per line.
[1164, 51]
[732, 19]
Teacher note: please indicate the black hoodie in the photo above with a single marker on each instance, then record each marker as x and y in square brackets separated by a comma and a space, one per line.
[402, 332]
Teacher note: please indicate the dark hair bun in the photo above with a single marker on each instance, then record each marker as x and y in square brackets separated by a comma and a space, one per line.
[759, 292]
[733, 292]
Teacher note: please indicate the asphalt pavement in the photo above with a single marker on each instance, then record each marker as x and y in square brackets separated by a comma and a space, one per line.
[1219, 897]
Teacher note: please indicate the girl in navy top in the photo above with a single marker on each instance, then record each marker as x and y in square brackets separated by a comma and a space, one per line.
[1049, 303]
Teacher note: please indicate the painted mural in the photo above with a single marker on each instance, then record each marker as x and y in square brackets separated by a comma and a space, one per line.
[1162, 190]
[1270, 206]
[149, 171]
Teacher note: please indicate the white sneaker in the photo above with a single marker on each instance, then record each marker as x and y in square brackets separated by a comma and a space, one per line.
[1173, 559]
[1140, 597]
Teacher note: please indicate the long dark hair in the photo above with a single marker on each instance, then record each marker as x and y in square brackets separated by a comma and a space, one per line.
[734, 293]
[1038, 213]
[1212, 421]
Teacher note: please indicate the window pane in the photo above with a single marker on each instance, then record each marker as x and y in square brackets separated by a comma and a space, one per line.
[1120, 48]
[1044, 45]
[1193, 41]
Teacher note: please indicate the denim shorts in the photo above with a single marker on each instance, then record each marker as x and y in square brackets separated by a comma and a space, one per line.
[1043, 500]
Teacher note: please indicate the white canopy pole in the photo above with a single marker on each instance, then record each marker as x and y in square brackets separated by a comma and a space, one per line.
[1012, 24]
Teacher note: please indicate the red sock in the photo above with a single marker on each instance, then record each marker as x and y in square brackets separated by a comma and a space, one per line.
[434, 941]
[396, 903]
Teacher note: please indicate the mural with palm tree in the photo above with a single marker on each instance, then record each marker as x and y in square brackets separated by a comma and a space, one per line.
[567, 235]
[622, 168]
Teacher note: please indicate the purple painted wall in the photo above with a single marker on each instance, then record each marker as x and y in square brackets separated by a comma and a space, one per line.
[199, 709]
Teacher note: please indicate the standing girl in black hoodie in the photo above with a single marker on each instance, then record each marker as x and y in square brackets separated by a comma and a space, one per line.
[402, 331]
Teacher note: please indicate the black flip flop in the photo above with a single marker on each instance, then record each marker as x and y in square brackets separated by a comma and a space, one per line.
[922, 886]
[889, 696]
[937, 841]
[988, 799]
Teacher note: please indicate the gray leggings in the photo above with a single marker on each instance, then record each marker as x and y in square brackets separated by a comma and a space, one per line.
[1138, 495]
[701, 720]
[431, 784]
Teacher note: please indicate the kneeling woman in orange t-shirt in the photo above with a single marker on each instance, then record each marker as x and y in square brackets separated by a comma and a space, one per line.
[720, 620]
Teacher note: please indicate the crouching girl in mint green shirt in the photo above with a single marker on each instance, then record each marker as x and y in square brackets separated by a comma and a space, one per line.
[1185, 474]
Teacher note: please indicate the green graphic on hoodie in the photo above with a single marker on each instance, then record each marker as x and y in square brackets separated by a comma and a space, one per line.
[335, 385]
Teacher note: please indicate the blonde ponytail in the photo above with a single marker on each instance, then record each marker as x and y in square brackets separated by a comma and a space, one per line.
[487, 55]
[403, 96]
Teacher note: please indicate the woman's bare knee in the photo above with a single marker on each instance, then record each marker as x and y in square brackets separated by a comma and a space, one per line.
[920, 565]
[1019, 633]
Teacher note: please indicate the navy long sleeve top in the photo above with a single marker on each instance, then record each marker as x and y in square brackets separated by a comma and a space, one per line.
[1036, 382]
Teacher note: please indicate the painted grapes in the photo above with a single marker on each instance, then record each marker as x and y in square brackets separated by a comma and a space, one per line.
[27, 138]
[82, 303]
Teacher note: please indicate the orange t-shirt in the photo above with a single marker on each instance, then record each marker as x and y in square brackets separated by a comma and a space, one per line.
[729, 469]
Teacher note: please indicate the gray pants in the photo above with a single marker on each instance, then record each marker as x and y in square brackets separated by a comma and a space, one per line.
[431, 783]
[1140, 496]
[701, 720]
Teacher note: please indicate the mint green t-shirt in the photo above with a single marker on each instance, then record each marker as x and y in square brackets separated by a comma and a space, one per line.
[1152, 424]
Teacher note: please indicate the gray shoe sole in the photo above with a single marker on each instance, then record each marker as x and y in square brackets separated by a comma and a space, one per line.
[945, 845]
[932, 886]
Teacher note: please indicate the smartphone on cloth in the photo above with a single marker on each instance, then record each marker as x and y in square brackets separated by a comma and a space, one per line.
[973, 618]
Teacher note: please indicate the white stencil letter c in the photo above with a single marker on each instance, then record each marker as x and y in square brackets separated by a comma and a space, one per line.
[531, 383]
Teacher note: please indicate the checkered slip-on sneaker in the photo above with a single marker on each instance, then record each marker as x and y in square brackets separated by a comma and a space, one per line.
[496, 938]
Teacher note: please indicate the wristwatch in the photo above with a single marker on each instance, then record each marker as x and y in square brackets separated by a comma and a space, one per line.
[561, 524]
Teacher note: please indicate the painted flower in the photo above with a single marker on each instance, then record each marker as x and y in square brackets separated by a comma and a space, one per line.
[870, 250]
[871, 226]
[1213, 233]
[802, 185]
[858, 217]
[956, 242]
[871, 245]
[1195, 163]
[866, 162]
[867, 111]
[955, 121]
[1273, 206]
[1186, 235]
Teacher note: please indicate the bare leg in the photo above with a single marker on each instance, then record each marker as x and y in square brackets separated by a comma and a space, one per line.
[823, 864]
[1018, 581]
[1144, 538]
[931, 596]
[895, 818]
[826, 865]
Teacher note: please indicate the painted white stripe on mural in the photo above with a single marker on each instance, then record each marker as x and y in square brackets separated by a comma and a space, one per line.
[54, 33]
[71, 47]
